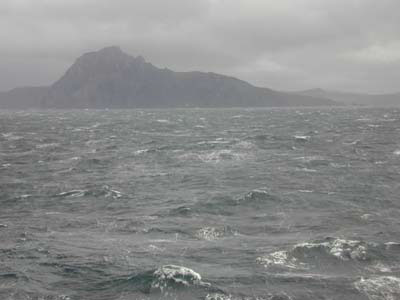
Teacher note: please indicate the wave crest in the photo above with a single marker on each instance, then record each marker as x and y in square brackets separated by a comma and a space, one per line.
[304, 255]
[170, 276]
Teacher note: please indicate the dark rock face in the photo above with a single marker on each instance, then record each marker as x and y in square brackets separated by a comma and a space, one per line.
[110, 78]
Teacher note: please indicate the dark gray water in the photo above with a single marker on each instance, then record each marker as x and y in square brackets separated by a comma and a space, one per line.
[200, 204]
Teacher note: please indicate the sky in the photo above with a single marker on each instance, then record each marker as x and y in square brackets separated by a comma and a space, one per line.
[349, 45]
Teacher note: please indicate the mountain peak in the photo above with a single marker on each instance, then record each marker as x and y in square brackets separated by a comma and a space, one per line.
[111, 49]
[112, 78]
[140, 59]
[112, 54]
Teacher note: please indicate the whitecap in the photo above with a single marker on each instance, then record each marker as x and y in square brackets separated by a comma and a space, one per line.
[307, 170]
[302, 138]
[154, 248]
[355, 142]
[217, 141]
[109, 192]
[336, 165]
[380, 288]
[214, 156]
[10, 136]
[308, 159]
[279, 258]
[339, 248]
[244, 145]
[164, 121]
[218, 296]
[209, 233]
[257, 195]
[171, 275]
[75, 158]
[73, 193]
[366, 216]
[342, 249]
[141, 151]
[380, 267]
[49, 145]
[391, 245]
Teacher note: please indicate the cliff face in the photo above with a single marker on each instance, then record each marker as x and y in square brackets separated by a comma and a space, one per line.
[110, 78]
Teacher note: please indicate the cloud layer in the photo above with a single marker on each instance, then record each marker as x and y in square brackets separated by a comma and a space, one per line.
[288, 44]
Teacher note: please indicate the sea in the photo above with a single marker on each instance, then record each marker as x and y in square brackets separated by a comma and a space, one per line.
[211, 204]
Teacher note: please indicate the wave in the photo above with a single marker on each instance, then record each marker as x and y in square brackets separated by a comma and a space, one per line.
[218, 296]
[227, 205]
[172, 276]
[184, 211]
[218, 141]
[380, 288]
[396, 152]
[169, 281]
[306, 170]
[302, 138]
[214, 156]
[48, 145]
[142, 151]
[233, 150]
[72, 193]
[163, 121]
[329, 252]
[339, 248]
[257, 196]
[280, 258]
[209, 233]
[11, 136]
[212, 233]
[313, 161]
[105, 191]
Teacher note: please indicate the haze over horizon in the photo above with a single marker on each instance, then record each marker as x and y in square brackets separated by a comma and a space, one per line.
[290, 45]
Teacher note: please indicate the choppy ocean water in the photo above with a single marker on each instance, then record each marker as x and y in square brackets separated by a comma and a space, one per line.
[200, 204]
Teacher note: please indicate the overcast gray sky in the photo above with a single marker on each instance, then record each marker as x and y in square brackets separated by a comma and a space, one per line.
[351, 45]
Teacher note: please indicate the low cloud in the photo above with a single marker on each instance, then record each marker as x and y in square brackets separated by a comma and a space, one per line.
[287, 44]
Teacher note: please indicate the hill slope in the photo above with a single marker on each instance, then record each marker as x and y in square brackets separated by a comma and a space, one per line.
[355, 98]
[23, 97]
